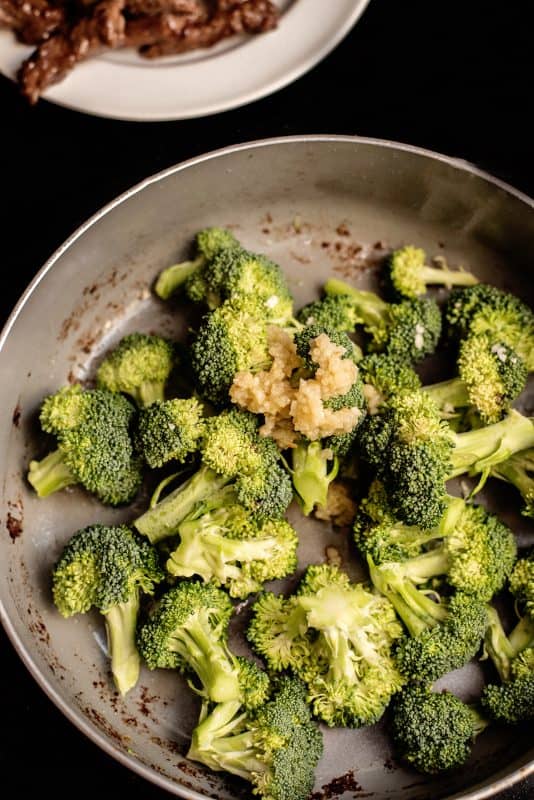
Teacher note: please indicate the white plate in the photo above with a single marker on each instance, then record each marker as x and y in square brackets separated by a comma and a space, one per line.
[122, 85]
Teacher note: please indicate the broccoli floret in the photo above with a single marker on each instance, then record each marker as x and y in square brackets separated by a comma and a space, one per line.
[232, 451]
[519, 471]
[409, 330]
[510, 702]
[188, 631]
[379, 534]
[94, 445]
[170, 430]
[275, 748]
[485, 309]
[491, 376]
[385, 376]
[278, 632]
[315, 464]
[209, 242]
[513, 657]
[434, 731]
[472, 549]
[407, 274]
[230, 339]
[337, 637]
[338, 313]
[108, 568]
[139, 366]
[223, 543]
[414, 452]
[239, 275]
[442, 636]
[409, 446]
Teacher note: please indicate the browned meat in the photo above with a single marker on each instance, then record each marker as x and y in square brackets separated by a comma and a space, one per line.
[103, 27]
[247, 16]
[32, 20]
[193, 8]
[149, 29]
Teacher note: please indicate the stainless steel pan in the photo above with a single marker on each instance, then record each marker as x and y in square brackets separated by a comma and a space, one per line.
[318, 205]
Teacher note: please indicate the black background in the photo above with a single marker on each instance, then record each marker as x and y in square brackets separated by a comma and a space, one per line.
[456, 77]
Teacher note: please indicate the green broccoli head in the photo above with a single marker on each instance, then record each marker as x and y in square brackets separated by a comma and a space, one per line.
[94, 445]
[108, 568]
[239, 275]
[409, 330]
[231, 444]
[442, 636]
[264, 747]
[188, 631]
[337, 637]
[233, 447]
[493, 374]
[254, 683]
[209, 242]
[409, 446]
[336, 313]
[510, 702]
[170, 430]
[230, 339]
[407, 274]
[223, 543]
[278, 632]
[385, 376]
[483, 309]
[444, 645]
[434, 731]
[139, 366]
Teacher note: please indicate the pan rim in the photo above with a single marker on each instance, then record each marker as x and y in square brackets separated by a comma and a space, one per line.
[70, 712]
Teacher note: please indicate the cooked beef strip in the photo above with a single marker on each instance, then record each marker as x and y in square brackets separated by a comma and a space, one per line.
[103, 27]
[149, 29]
[193, 8]
[32, 20]
[250, 16]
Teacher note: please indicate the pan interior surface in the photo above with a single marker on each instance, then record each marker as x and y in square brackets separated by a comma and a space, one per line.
[320, 206]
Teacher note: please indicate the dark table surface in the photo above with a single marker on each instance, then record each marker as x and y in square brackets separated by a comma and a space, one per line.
[454, 77]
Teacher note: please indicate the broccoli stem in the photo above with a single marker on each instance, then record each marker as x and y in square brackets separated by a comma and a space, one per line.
[311, 478]
[170, 279]
[149, 392]
[446, 277]
[220, 742]
[522, 635]
[421, 568]
[497, 644]
[209, 658]
[163, 519]
[121, 623]
[50, 475]
[210, 554]
[480, 723]
[374, 311]
[519, 471]
[414, 607]
[451, 393]
[479, 449]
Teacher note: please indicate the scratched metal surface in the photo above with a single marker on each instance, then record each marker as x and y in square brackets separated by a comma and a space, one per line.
[318, 207]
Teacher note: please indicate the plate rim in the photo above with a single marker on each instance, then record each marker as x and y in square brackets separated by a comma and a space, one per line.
[74, 715]
[209, 109]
